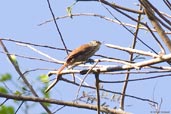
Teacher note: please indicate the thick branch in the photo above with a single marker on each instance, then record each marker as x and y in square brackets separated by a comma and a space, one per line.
[59, 102]
[118, 68]
[149, 12]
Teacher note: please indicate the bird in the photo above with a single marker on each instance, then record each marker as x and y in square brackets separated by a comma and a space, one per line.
[76, 57]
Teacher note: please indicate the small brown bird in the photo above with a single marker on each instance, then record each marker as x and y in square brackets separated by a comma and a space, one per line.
[78, 56]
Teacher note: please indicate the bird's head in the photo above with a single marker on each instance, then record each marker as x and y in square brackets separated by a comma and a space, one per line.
[95, 43]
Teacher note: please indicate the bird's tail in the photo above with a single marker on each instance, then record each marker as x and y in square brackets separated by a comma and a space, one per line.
[57, 78]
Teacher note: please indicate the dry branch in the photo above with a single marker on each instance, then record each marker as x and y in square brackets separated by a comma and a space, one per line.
[130, 50]
[102, 17]
[23, 77]
[59, 102]
[108, 68]
[150, 14]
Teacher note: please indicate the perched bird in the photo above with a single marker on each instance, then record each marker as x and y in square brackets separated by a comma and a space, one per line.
[77, 56]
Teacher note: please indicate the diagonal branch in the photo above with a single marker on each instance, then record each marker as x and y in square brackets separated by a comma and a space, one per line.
[149, 12]
[113, 5]
[57, 27]
[22, 76]
[168, 4]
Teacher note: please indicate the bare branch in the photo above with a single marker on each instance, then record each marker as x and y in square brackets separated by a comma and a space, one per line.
[130, 50]
[105, 18]
[109, 91]
[57, 27]
[108, 68]
[59, 102]
[22, 76]
[41, 53]
[33, 44]
[85, 78]
[97, 91]
[113, 5]
[167, 3]
[155, 23]
[122, 99]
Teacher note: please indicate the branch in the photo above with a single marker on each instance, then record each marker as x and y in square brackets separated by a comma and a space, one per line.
[167, 3]
[97, 91]
[33, 44]
[41, 53]
[130, 50]
[29, 57]
[113, 5]
[156, 10]
[122, 99]
[86, 77]
[102, 17]
[138, 79]
[57, 27]
[108, 68]
[22, 76]
[150, 14]
[59, 102]
[109, 91]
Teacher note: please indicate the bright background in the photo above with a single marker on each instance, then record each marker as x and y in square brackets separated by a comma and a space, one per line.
[19, 20]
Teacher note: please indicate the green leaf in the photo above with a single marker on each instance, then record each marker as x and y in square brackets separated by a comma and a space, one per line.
[3, 90]
[46, 95]
[14, 60]
[44, 78]
[5, 77]
[6, 110]
[47, 104]
[69, 11]
[18, 93]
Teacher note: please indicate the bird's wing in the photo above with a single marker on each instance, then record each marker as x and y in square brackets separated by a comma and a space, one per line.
[79, 51]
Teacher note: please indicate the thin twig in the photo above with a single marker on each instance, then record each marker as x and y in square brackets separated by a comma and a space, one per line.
[138, 79]
[122, 99]
[41, 53]
[113, 5]
[102, 17]
[167, 3]
[29, 57]
[33, 44]
[85, 78]
[109, 91]
[19, 107]
[130, 17]
[4, 101]
[57, 27]
[126, 27]
[131, 50]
